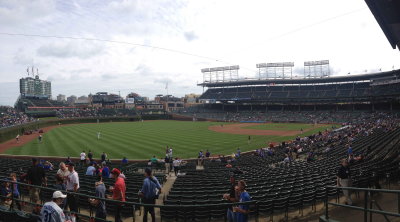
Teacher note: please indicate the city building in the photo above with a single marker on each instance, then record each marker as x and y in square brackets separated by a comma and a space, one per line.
[35, 87]
[60, 98]
[71, 100]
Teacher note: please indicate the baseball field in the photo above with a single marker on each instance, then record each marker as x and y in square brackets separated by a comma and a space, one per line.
[142, 140]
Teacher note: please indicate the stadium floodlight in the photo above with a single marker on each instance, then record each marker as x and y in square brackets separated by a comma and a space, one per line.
[316, 63]
[220, 74]
[275, 70]
[316, 69]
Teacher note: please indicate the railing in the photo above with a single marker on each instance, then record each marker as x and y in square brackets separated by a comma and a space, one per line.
[134, 205]
[368, 208]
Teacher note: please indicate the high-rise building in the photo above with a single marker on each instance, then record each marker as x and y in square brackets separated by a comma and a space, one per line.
[35, 87]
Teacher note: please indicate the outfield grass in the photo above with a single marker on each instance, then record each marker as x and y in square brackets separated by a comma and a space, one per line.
[142, 140]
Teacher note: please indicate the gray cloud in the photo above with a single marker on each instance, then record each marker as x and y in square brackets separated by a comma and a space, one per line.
[82, 50]
[190, 36]
[163, 81]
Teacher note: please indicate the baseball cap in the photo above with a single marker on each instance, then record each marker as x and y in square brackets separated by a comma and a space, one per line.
[71, 164]
[58, 194]
[116, 171]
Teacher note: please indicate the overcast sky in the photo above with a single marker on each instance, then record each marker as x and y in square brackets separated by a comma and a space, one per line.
[209, 33]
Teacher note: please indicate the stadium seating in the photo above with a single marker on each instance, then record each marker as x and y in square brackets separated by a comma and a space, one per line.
[280, 187]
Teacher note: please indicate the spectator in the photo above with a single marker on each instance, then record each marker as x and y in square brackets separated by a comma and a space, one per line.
[36, 176]
[68, 160]
[15, 189]
[72, 186]
[51, 211]
[349, 150]
[90, 156]
[103, 157]
[177, 165]
[344, 180]
[287, 159]
[208, 154]
[105, 172]
[47, 166]
[154, 161]
[83, 158]
[6, 194]
[149, 193]
[100, 205]
[242, 210]
[167, 163]
[118, 193]
[238, 152]
[60, 185]
[63, 172]
[90, 170]
[124, 161]
[232, 197]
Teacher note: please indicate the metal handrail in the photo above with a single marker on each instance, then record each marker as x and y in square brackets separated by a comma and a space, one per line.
[365, 209]
[364, 189]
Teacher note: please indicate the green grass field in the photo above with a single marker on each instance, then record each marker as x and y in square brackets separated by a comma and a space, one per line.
[142, 140]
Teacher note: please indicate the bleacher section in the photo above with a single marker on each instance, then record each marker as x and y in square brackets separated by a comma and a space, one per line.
[332, 92]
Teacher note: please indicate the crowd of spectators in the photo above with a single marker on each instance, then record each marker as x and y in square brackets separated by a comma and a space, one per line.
[279, 116]
[93, 112]
[11, 117]
[76, 113]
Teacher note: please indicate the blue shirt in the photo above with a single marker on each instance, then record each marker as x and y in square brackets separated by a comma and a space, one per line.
[244, 197]
[5, 191]
[90, 170]
[106, 172]
[350, 151]
[149, 188]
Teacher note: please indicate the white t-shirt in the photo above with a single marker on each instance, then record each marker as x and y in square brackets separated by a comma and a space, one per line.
[176, 163]
[51, 212]
[83, 156]
[72, 179]
[62, 173]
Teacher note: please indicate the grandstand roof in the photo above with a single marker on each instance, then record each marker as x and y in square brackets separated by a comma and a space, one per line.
[387, 14]
[333, 79]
